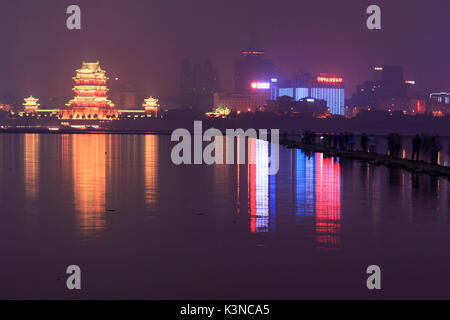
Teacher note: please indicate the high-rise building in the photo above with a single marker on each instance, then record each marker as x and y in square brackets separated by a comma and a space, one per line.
[388, 91]
[366, 95]
[392, 81]
[198, 85]
[252, 67]
[322, 86]
[186, 84]
[90, 101]
[439, 104]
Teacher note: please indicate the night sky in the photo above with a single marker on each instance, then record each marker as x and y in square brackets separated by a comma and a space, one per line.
[143, 41]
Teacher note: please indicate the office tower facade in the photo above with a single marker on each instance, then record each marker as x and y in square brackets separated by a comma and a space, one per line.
[199, 82]
[439, 104]
[322, 86]
[388, 90]
[251, 67]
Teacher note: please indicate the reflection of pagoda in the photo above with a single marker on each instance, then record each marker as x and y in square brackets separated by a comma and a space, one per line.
[151, 105]
[90, 101]
[31, 104]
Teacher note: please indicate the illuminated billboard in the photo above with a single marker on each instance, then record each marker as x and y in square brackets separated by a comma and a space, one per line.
[330, 79]
[260, 85]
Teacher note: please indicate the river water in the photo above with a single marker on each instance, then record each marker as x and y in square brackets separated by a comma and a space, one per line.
[141, 227]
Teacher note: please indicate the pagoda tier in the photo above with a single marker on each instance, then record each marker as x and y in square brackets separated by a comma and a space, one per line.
[90, 101]
[31, 104]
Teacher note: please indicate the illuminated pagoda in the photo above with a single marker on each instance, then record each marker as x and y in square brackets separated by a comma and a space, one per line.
[151, 105]
[31, 104]
[90, 101]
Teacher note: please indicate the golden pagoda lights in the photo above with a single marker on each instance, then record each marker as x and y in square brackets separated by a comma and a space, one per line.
[151, 105]
[90, 101]
[31, 104]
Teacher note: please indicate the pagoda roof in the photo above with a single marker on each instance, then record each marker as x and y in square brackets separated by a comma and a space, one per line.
[90, 67]
[31, 98]
[151, 101]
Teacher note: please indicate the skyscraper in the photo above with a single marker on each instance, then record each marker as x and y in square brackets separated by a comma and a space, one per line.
[392, 82]
[388, 90]
[198, 85]
[322, 86]
[252, 67]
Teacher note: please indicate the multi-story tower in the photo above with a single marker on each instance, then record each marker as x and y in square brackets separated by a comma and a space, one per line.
[326, 87]
[252, 67]
[198, 85]
[31, 105]
[90, 101]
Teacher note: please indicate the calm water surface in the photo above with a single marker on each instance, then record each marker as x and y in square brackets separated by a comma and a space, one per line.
[140, 227]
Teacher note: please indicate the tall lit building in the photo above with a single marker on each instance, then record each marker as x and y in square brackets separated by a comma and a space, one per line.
[324, 87]
[439, 104]
[252, 67]
[90, 101]
[31, 104]
[392, 81]
[388, 91]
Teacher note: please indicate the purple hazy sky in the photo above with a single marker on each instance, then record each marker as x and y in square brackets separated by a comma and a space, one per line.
[144, 41]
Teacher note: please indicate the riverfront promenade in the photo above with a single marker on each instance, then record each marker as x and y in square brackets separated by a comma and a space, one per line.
[373, 158]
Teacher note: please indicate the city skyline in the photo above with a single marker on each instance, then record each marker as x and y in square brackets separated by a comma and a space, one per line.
[224, 158]
[336, 40]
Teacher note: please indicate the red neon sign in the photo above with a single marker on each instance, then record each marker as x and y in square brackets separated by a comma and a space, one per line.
[330, 79]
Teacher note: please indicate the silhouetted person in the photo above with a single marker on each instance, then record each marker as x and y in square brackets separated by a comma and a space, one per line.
[390, 139]
[416, 142]
[398, 144]
[364, 141]
[394, 144]
[435, 147]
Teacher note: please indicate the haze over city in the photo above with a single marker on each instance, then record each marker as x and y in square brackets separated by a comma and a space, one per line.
[144, 42]
[212, 150]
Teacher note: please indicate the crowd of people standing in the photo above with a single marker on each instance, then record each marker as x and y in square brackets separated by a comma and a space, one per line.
[422, 145]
